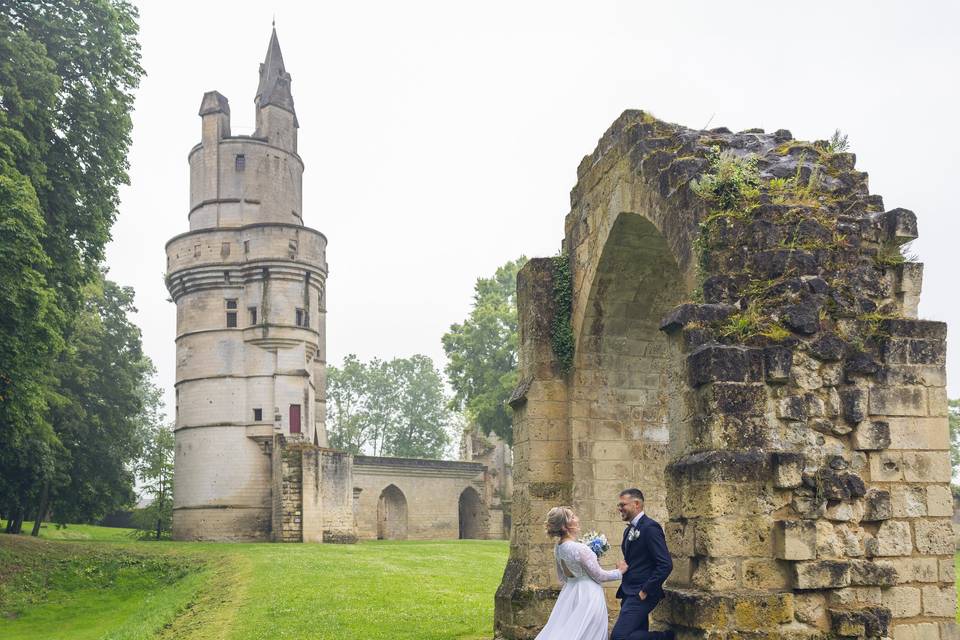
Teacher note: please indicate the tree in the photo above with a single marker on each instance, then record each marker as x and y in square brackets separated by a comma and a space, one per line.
[105, 402]
[420, 425]
[67, 74]
[79, 133]
[482, 353]
[155, 470]
[394, 408]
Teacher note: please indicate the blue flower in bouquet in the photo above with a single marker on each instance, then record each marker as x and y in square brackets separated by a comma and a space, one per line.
[596, 542]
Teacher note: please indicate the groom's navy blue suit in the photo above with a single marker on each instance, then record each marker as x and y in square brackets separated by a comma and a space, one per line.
[648, 565]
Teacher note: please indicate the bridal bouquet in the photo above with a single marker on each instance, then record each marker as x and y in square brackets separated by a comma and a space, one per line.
[597, 542]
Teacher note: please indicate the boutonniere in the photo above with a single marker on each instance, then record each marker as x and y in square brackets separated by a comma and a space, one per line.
[633, 535]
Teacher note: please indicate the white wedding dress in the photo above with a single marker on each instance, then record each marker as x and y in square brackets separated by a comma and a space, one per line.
[581, 610]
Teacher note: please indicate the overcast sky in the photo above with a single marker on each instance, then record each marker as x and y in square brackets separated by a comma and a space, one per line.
[441, 139]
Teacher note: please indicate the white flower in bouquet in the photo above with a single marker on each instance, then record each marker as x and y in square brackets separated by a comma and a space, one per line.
[597, 542]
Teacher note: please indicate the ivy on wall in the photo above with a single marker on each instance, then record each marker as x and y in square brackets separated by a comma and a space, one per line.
[561, 332]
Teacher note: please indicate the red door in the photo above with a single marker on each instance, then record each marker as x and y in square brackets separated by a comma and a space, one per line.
[294, 418]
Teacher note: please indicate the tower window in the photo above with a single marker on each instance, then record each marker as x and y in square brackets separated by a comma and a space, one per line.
[253, 315]
[258, 415]
[231, 304]
[241, 162]
[196, 251]
[246, 246]
[303, 318]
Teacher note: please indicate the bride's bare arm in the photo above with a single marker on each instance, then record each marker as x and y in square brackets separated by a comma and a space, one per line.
[589, 562]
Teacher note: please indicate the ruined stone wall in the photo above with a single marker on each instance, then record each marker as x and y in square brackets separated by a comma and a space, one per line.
[337, 496]
[748, 354]
[496, 456]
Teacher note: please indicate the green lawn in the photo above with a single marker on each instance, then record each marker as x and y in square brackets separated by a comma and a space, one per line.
[99, 584]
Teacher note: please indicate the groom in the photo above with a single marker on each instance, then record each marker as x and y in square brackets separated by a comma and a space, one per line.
[648, 565]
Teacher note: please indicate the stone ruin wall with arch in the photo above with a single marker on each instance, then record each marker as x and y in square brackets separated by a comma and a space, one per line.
[761, 375]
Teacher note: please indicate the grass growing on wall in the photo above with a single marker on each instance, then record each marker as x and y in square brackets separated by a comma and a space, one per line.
[102, 588]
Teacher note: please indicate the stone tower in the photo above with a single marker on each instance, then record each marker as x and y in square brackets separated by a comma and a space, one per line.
[248, 280]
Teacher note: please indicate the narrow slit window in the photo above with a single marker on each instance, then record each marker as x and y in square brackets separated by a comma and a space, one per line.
[301, 318]
[258, 415]
[241, 162]
[253, 315]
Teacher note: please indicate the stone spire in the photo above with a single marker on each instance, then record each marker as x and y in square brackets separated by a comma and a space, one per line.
[274, 87]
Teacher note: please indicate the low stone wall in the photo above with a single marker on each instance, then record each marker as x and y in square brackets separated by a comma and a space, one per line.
[430, 489]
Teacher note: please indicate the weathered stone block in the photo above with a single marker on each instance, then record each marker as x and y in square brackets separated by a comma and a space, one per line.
[811, 608]
[926, 352]
[886, 466]
[787, 469]
[919, 433]
[940, 601]
[903, 602]
[834, 485]
[908, 501]
[715, 574]
[947, 570]
[934, 537]
[795, 540]
[918, 631]
[926, 466]
[869, 621]
[853, 404]
[872, 573]
[687, 313]
[792, 408]
[893, 539]
[732, 538]
[764, 574]
[721, 363]
[897, 225]
[877, 506]
[763, 612]
[821, 574]
[949, 631]
[828, 347]
[939, 500]
[898, 401]
[736, 399]
[778, 362]
[871, 436]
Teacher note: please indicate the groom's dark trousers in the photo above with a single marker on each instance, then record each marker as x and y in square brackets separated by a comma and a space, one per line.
[648, 565]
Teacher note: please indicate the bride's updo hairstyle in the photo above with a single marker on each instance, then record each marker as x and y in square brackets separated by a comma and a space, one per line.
[558, 520]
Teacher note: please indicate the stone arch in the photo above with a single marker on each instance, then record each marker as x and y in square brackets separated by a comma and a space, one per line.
[392, 514]
[626, 398]
[471, 515]
[791, 404]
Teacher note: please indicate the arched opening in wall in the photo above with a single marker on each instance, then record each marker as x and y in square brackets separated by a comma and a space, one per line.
[392, 514]
[628, 386]
[471, 515]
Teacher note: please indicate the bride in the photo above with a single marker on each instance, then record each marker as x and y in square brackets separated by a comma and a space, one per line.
[581, 610]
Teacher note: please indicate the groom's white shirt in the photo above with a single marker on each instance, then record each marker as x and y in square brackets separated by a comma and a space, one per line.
[633, 523]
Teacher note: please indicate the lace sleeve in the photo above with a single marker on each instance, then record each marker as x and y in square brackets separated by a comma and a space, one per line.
[556, 557]
[588, 560]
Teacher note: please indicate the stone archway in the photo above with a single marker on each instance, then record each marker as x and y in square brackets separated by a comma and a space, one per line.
[748, 354]
[471, 513]
[625, 401]
[392, 514]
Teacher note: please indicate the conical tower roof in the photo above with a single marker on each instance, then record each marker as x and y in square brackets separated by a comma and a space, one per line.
[274, 87]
